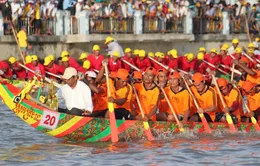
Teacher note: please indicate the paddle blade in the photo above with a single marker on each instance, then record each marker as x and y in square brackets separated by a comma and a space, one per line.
[147, 131]
[256, 125]
[205, 123]
[230, 123]
[112, 120]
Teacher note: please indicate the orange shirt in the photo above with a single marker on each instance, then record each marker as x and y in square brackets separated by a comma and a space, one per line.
[180, 101]
[229, 100]
[100, 100]
[205, 100]
[253, 101]
[125, 92]
[148, 98]
[253, 79]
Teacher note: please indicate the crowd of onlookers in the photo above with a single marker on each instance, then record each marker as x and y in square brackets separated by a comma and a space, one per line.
[36, 12]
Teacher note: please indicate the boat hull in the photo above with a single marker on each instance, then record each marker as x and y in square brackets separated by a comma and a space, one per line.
[88, 129]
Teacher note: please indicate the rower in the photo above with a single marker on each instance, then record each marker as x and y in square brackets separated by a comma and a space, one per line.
[179, 99]
[160, 58]
[17, 69]
[226, 60]
[202, 50]
[142, 62]
[121, 94]
[206, 97]
[148, 94]
[188, 63]
[252, 92]
[232, 100]
[202, 66]
[69, 61]
[128, 57]
[214, 59]
[231, 50]
[95, 58]
[76, 94]
[37, 67]
[173, 59]
[83, 57]
[51, 67]
[114, 62]
[5, 70]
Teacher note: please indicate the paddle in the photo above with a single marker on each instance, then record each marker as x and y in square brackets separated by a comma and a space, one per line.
[47, 79]
[52, 74]
[210, 64]
[228, 117]
[202, 117]
[173, 112]
[232, 72]
[229, 68]
[148, 132]
[112, 119]
[253, 120]
[134, 67]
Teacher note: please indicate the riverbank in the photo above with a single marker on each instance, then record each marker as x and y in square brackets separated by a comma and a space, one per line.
[76, 44]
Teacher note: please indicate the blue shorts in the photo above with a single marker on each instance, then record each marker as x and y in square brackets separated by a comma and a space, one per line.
[23, 49]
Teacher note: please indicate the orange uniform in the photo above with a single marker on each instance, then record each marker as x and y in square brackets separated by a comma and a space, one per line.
[180, 101]
[253, 79]
[148, 98]
[100, 100]
[125, 92]
[253, 101]
[205, 100]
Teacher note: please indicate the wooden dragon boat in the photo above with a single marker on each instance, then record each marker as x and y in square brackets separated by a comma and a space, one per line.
[88, 129]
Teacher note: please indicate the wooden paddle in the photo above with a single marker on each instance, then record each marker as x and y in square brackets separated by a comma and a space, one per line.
[232, 72]
[52, 74]
[134, 67]
[253, 120]
[173, 112]
[210, 64]
[148, 132]
[112, 119]
[228, 117]
[202, 117]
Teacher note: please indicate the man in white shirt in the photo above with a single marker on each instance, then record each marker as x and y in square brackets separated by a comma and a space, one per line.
[113, 46]
[15, 9]
[76, 94]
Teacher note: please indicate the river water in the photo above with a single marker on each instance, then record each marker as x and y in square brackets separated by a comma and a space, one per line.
[22, 145]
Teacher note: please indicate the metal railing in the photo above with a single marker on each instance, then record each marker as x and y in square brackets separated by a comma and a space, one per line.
[75, 24]
[206, 26]
[237, 26]
[111, 25]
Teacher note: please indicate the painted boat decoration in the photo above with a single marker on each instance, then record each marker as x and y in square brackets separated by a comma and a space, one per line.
[87, 129]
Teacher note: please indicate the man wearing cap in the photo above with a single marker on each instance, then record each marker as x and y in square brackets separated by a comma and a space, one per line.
[231, 50]
[142, 62]
[212, 58]
[128, 57]
[69, 61]
[53, 68]
[160, 57]
[179, 98]
[113, 46]
[37, 67]
[114, 62]
[148, 94]
[83, 57]
[17, 69]
[5, 70]
[225, 59]
[206, 97]
[188, 63]
[252, 93]
[76, 94]
[121, 94]
[232, 100]
[173, 59]
[95, 58]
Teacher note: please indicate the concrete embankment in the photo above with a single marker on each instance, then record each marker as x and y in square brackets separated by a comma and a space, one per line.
[76, 44]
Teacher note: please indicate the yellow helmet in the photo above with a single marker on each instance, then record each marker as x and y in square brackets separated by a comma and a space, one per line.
[34, 58]
[251, 51]
[109, 39]
[86, 64]
[142, 53]
[12, 60]
[238, 50]
[96, 48]
[83, 55]
[235, 41]
[214, 50]
[161, 55]
[64, 53]
[151, 54]
[225, 46]
[190, 56]
[127, 50]
[47, 61]
[200, 56]
[157, 54]
[257, 39]
[251, 45]
[136, 52]
[65, 59]
[202, 49]
[174, 53]
[52, 57]
[28, 59]
[116, 54]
